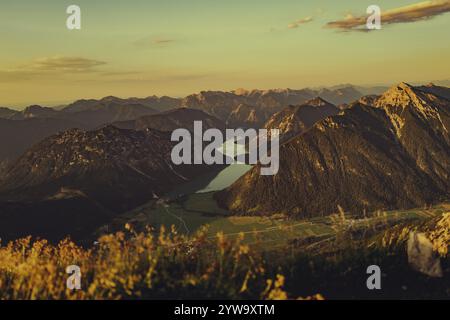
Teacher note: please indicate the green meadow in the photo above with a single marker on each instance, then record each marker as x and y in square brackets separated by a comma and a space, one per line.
[189, 213]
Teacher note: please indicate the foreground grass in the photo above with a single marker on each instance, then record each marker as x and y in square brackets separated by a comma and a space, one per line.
[129, 265]
[170, 265]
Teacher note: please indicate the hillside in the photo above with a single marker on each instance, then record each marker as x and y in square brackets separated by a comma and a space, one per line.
[81, 174]
[392, 155]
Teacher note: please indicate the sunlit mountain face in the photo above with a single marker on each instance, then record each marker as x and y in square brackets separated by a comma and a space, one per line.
[136, 141]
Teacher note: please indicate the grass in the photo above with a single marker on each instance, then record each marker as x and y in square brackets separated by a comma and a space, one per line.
[131, 265]
[149, 264]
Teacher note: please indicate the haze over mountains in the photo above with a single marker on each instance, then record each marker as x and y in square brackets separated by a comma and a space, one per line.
[392, 154]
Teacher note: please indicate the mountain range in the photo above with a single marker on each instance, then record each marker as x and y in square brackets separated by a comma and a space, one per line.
[224, 105]
[392, 154]
[65, 172]
[239, 108]
[19, 130]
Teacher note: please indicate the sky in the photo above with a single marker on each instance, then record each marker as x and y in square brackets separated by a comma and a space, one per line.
[178, 47]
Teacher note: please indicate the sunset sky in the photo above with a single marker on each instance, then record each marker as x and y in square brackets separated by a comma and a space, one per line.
[168, 47]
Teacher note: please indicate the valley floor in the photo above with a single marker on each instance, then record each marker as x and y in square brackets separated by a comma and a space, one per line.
[189, 213]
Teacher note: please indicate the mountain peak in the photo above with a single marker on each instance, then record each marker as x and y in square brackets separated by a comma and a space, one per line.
[110, 98]
[36, 111]
[400, 95]
[415, 100]
[405, 95]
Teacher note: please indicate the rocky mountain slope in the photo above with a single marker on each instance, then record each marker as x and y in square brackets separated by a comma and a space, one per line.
[246, 116]
[294, 120]
[118, 168]
[395, 154]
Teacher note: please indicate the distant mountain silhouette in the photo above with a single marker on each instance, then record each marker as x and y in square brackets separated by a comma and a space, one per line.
[6, 113]
[35, 111]
[173, 119]
[153, 102]
[104, 112]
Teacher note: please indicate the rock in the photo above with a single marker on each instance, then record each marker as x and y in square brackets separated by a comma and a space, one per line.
[422, 257]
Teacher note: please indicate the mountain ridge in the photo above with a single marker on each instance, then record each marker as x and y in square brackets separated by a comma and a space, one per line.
[360, 160]
[295, 120]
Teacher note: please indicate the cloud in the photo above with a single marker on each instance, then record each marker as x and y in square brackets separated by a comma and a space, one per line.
[50, 67]
[153, 42]
[412, 13]
[296, 24]
[162, 41]
[64, 64]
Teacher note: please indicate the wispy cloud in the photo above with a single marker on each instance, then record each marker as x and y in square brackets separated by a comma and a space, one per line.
[296, 24]
[412, 13]
[64, 64]
[50, 66]
[152, 41]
